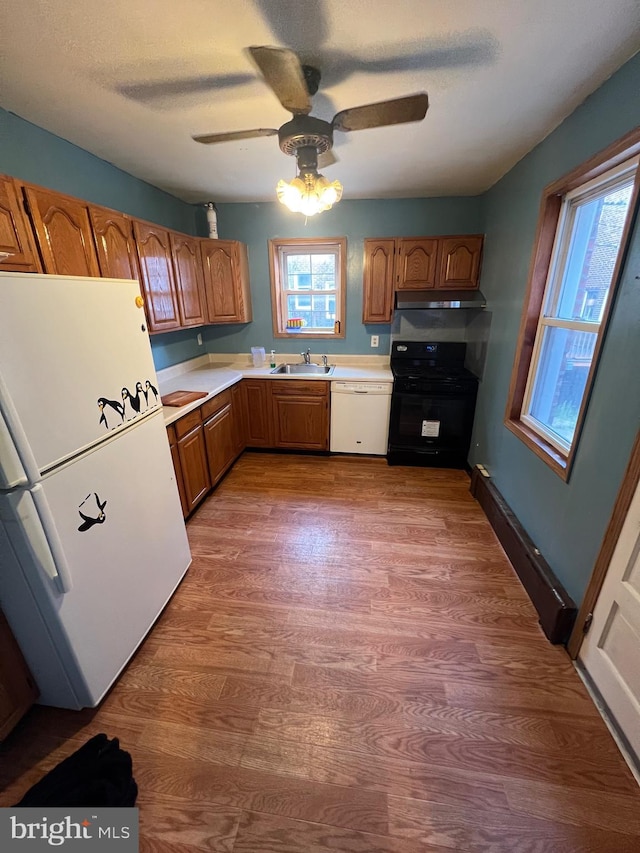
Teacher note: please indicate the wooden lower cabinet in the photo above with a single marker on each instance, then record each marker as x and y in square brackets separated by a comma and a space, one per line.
[205, 444]
[18, 690]
[175, 458]
[257, 405]
[239, 418]
[300, 412]
[220, 442]
[193, 458]
[290, 414]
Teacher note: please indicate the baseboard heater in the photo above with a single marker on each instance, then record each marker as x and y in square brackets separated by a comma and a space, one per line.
[556, 609]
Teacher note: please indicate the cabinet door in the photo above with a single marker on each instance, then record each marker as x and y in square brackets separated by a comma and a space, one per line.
[63, 232]
[239, 417]
[417, 264]
[156, 270]
[460, 262]
[300, 414]
[175, 458]
[219, 440]
[226, 281]
[18, 691]
[16, 237]
[115, 244]
[193, 463]
[257, 394]
[378, 272]
[187, 265]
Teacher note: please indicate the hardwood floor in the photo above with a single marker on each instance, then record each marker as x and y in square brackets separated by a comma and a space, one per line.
[350, 665]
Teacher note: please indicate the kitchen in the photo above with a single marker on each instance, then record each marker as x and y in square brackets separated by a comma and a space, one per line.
[506, 215]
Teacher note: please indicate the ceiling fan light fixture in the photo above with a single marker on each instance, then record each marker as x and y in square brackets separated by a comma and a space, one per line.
[309, 193]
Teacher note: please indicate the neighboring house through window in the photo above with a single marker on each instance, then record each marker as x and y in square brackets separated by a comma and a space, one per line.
[308, 287]
[583, 230]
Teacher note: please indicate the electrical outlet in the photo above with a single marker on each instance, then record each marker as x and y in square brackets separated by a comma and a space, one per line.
[199, 339]
[375, 340]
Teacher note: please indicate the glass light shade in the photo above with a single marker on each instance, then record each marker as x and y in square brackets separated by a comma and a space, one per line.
[309, 193]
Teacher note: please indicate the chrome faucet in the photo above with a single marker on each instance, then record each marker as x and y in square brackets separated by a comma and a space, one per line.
[306, 356]
[324, 360]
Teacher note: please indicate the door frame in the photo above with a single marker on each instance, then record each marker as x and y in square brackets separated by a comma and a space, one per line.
[627, 490]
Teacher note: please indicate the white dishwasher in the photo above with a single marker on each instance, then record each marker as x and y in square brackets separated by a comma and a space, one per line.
[360, 417]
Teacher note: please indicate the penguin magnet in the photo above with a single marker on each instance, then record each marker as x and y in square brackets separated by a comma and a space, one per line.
[88, 521]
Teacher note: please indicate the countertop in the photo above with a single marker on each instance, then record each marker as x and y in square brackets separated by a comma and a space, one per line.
[213, 379]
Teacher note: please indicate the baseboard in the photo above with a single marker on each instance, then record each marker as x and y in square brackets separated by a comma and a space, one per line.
[556, 609]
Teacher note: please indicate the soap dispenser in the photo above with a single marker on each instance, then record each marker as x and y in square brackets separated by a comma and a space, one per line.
[273, 358]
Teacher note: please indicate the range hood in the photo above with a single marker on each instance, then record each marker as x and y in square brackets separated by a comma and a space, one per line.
[421, 299]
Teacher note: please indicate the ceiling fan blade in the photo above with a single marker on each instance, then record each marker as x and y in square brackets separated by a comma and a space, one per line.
[397, 111]
[327, 158]
[282, 71]
[208, 138]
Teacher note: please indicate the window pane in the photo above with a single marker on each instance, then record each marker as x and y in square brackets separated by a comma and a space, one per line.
[595, 240]
[562, 373]
[311, 272]
[298, 264]
[316, 312]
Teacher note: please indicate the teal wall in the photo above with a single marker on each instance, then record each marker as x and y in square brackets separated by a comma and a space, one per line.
[35, 155]
[256, 224]
[565, 520]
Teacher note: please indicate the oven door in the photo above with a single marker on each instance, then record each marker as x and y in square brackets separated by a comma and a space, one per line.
[436, 424]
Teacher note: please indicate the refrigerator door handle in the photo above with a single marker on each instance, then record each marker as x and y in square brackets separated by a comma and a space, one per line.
[17, 433]
[62, 579]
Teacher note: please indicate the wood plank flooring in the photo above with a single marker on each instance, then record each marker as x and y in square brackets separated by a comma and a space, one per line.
[350, 665]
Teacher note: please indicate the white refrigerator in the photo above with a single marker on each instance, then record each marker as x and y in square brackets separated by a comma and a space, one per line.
[92, 539]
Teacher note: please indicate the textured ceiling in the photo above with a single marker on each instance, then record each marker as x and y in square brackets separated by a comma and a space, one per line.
[132, 81]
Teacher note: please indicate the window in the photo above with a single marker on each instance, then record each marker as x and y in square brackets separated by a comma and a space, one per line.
[308, 287]
[582, 235]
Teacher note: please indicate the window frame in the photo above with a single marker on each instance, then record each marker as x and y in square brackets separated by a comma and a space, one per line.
[278, 293]
[560, 459]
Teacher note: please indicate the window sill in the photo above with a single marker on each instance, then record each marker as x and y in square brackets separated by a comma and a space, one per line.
[550, 455]
[302, 335]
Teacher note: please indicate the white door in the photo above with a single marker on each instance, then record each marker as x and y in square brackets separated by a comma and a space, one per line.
[610, 653]
[117, 513]
[68, 348]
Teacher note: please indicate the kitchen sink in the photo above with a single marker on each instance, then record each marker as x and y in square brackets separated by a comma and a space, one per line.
[314, 369]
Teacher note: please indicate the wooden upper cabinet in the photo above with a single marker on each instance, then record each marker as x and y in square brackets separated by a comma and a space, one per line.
[156, 272]
[63, 231]
[115, 244]
[459, 261]
[187, 265]
[226, 279]
[417, 264]
[16, 237]
[378, 280]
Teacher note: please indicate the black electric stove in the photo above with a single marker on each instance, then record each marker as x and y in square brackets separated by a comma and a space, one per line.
[432, 405]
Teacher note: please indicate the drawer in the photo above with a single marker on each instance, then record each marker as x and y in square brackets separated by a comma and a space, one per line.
[171, 435]
[300, 387]
[216, 403]
[187, 423]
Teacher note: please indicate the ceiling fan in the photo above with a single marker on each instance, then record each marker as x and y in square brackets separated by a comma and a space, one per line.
[306, 136]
